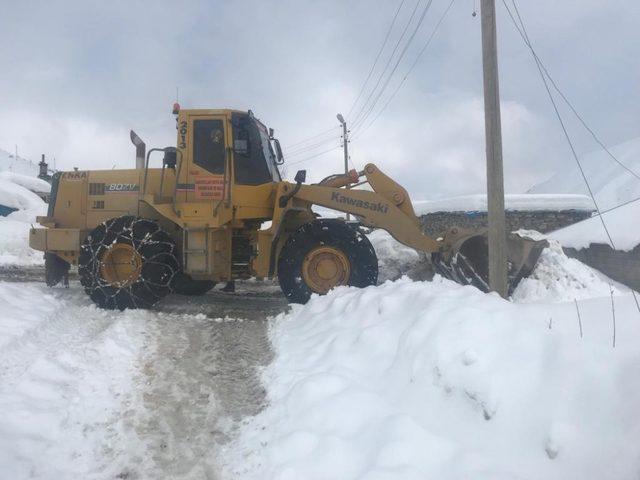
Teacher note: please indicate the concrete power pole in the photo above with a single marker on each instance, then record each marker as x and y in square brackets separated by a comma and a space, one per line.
[345, 144]
[493, 139]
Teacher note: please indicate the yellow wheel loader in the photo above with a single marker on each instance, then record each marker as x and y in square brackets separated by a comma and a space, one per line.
[137, 235]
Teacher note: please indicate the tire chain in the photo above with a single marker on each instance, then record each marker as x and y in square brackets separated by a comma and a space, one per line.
[160, 263]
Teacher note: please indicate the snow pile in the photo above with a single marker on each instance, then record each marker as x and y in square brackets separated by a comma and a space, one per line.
[17, 196]
[14, 228]
[514, 202]
[414, 380]
[394, 258]
[558, 278]
[66, 384]
[611, 183]
[34, 184]
[622, 225]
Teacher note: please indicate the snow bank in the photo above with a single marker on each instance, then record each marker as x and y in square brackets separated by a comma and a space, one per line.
[34, 184]
[16, 196]
[66, 383]
[622, 225]
[558, 278]
[527, 202]
[394, 258]
[414, 380]
[14, 228]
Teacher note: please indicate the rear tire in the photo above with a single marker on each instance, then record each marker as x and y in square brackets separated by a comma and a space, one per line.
[127, 262]
[345, 254]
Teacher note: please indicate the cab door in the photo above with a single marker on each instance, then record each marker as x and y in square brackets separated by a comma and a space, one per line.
[203, 179]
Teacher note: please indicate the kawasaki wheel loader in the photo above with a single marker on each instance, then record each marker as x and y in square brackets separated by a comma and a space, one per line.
[137, 235]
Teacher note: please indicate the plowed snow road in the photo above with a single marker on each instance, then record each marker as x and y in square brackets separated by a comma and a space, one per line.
[86, 393]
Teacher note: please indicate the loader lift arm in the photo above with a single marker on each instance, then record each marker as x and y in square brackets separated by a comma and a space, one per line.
[388, 206]
[458, 254]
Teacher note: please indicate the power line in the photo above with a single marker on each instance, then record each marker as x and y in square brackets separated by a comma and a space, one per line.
[620, 205]
[395, 48]
[541, 68]
[358, 123]
[314, 156]
[525, 37]
[415, 62]
[375, 62]
[308, 148]
[324, 132]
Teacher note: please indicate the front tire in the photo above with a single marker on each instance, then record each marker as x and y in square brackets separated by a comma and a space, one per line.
[324, 254]
[127, 262]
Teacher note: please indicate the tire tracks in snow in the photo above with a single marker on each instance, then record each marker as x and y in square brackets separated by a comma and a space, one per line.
[67, 326]
[200, 374]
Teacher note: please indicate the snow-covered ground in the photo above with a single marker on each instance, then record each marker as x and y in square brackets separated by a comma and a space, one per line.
[399, 381]
[14, 229]
[66, 384]
[93, 394]
[414, 380]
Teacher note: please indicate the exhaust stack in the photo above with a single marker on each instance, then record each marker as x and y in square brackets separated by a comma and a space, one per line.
[141, 149]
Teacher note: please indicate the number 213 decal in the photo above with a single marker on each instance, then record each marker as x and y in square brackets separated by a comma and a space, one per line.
[182, 130]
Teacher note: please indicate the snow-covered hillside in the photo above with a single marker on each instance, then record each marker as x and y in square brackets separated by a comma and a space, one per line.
[612, 186]
[621, 223]
[415, 380]
[8, 162]
[611, 183]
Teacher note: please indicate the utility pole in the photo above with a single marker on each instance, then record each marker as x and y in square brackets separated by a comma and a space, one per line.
[345, 145]
[493, 139]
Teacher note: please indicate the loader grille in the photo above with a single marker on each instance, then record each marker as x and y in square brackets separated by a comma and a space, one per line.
[96, 189]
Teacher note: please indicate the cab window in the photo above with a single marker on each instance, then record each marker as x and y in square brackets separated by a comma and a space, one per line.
[208, 145]
[251, 167]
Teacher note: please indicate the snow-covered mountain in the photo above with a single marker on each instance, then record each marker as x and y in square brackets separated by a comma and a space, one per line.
[611, 183]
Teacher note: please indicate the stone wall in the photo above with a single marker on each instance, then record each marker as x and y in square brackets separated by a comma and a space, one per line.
[542, 221]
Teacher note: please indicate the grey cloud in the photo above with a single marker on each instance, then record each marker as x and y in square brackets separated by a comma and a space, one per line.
[77, 75]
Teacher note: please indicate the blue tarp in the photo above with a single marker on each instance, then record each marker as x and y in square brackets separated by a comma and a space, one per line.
[4, 210]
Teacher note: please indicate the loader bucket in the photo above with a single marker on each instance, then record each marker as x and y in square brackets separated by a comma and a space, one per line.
[465, 258]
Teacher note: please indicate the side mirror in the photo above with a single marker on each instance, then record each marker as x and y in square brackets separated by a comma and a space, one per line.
[271, 134]
[301, 176]
[279, 156]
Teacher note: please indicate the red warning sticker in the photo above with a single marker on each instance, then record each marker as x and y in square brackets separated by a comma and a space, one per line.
[209, 187]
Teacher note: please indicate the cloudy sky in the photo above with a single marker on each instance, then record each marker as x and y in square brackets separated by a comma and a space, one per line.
[76, 76]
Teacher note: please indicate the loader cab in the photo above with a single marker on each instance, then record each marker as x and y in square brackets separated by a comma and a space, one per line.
[223, 148]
